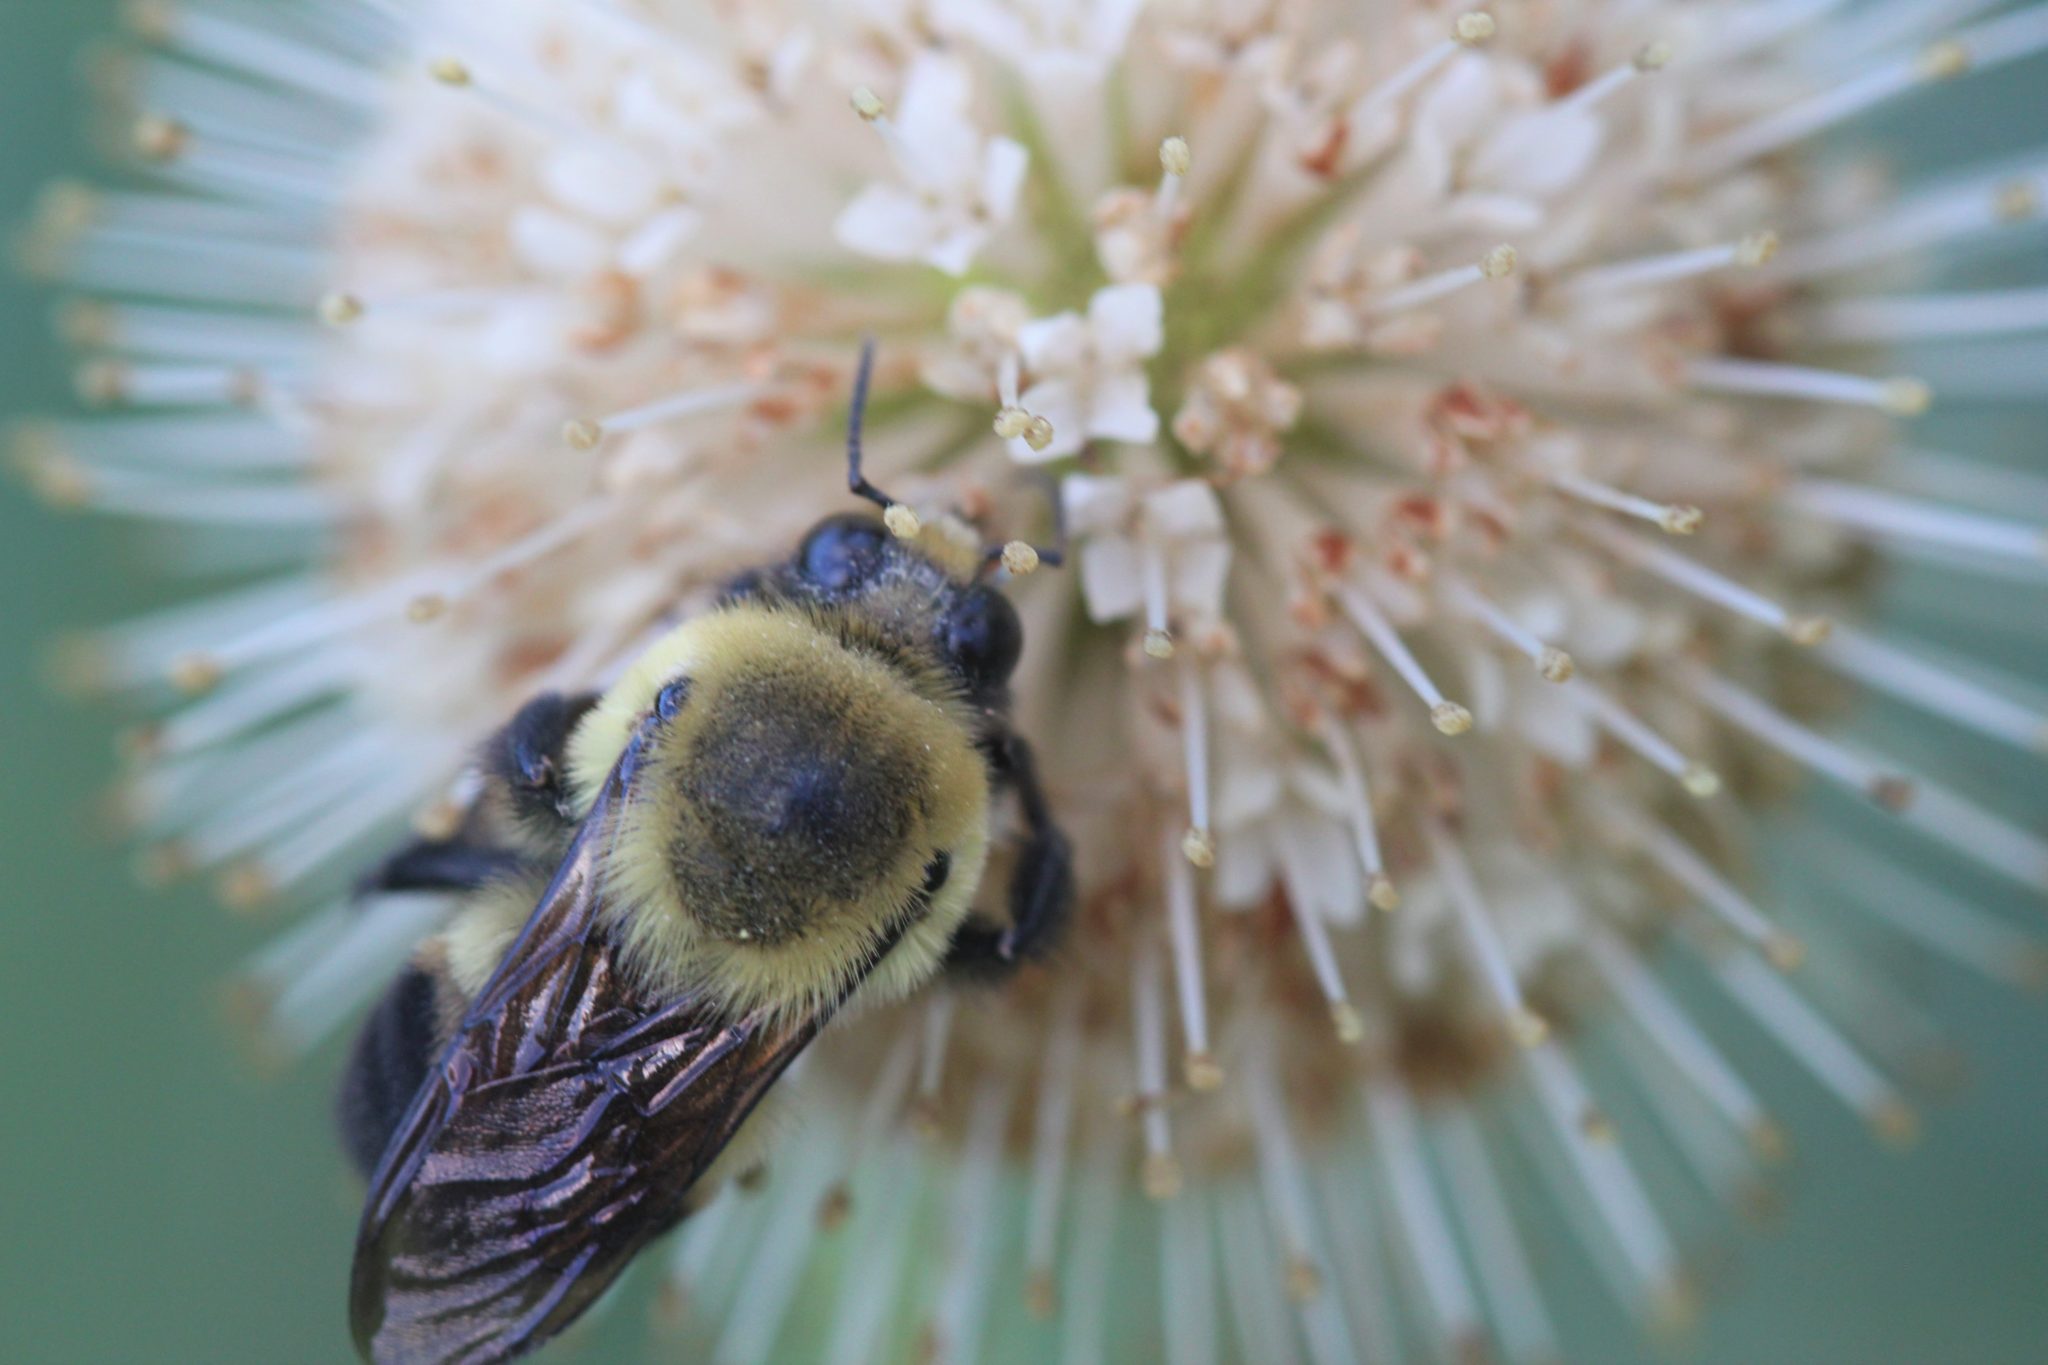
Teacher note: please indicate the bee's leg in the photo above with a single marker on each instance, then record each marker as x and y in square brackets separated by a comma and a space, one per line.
[1041, 884]
[525, 765]
[439, 865]
[389, 1062]
[528, 759]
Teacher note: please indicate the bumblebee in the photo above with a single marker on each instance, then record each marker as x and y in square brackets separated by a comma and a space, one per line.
[782, 807]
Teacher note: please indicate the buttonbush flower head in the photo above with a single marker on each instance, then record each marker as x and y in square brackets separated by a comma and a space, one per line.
[1477, 436]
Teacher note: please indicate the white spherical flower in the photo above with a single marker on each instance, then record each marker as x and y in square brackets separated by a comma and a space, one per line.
[1477, 436]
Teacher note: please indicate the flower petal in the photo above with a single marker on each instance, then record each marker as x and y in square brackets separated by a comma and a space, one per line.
[1127, 321]
[1120, 409]
[1185, 508]
[1003, 168]
[1112, 580]
[1059, 342]
[884, 222]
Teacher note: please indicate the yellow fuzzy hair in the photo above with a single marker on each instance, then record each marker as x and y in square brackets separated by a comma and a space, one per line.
[648, 912]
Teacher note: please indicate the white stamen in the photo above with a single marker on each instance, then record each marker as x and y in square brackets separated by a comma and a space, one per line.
[1820, 111]
[189, 335]
[1552, 663]
[1184, 930]
[253, 702]
[1671, 267]
[1315, 941]
[1359, 1323]
[1152, 565]
[1970, 829]
[359, 817]
[347, 307]
[1085, 1290]
[1651, 57]
[1625, 1211]
[775, 1269]
[1891, 514]
[1358, 812]
[299, 509]
[701, 1240]
[1816, 1044]
[2009, 37]
[458, 75]
[1187, 1284]
[147, 649]
[1258, 1313]
[1448, 717]
[1470, 30]
[1281, 1173]
[379, 936]
[880, 1115]
[1956, 478]
[1681, 572]
[1713, 1153]
[961, 1309]
[433, 597]
[1497, 264]
[230, 42]
[227, 828]
[875, 114]
[1902, 397]
[214, 165]
[1683, 865]
[1051, 1138]
[869, 1291]
[183, 794]
[1174, 163]
[1421, 1225]
[203, 443]
[1652, 747]
[931, 1065]
[1989, 371]
[1938, 690]
[1194, 739]
[1498, 1258]
[111, 382]
[1483, 942]
[1956, 213]
[1647, 1005]
[586, 433]
[1930, 317]
[1930, 916]
[1832, 758]
[1161, 1175]
[292, 953]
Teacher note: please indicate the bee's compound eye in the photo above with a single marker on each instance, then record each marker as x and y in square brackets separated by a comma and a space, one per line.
[670, 699]
[983, 636]
[841, 551]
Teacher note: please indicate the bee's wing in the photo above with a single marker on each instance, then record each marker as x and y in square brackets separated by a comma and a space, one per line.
[559, 1134]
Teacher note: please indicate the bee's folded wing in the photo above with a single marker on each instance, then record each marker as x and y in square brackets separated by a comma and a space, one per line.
[559, 1134]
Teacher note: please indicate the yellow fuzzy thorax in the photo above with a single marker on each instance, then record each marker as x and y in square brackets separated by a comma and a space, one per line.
[907, 710]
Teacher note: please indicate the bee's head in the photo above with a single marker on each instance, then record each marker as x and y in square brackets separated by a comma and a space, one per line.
[792, 803]
[854, 560]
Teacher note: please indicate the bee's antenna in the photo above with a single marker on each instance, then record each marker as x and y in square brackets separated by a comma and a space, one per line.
[856, 482]
[1021, 557]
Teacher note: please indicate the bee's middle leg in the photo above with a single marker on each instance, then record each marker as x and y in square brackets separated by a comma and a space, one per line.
[1041, 891]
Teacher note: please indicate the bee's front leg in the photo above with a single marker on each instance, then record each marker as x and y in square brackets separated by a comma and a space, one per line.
[1041, 884]
[523, 815]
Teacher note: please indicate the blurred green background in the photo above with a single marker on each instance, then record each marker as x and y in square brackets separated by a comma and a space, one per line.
[161, 1201]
